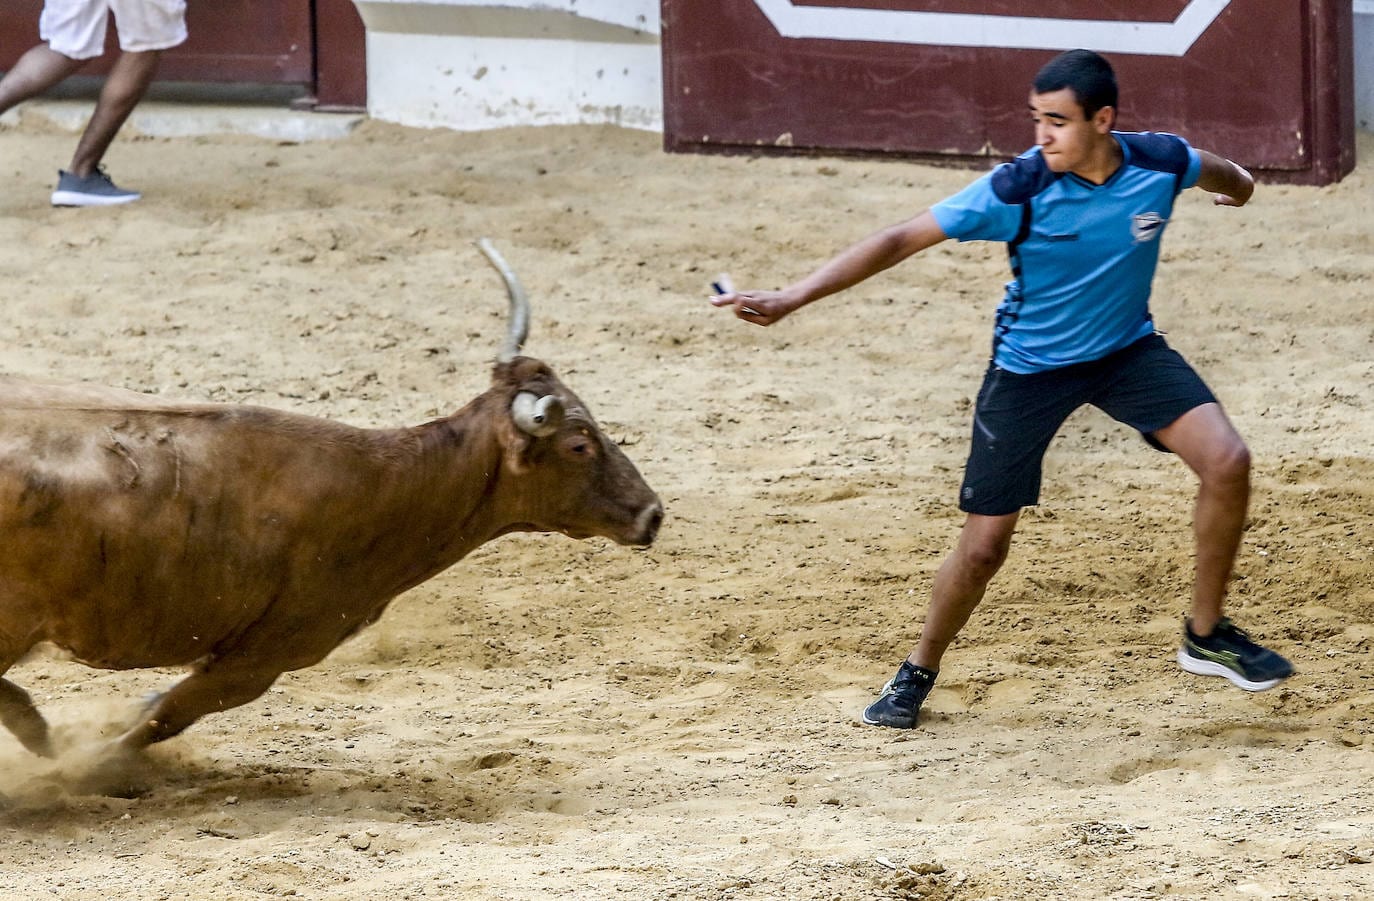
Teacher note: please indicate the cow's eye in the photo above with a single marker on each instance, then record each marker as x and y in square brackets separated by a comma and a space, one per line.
[580, 446]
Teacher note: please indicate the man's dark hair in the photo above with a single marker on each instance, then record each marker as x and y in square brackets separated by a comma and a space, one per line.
[1084, 72]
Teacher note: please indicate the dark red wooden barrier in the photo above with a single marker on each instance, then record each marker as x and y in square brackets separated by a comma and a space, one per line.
[1266, 82]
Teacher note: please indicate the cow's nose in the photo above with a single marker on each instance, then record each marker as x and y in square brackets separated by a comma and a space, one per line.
[650, 518]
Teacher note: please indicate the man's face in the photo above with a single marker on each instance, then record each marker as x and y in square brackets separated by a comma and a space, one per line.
[1065, 136]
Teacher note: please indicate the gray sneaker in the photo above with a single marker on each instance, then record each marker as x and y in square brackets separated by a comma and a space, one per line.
[95, 189]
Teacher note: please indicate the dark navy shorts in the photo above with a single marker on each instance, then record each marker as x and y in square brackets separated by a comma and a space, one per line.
[1146, 385]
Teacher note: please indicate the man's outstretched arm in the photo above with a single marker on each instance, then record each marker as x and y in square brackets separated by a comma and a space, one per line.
[880, 250]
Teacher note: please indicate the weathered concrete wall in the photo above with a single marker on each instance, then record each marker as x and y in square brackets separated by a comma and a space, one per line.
[475, 64]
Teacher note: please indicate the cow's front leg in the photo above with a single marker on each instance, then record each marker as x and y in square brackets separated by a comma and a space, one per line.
[209, 690]
[23, 719]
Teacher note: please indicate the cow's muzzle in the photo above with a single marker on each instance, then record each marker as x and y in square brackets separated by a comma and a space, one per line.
[647, 525]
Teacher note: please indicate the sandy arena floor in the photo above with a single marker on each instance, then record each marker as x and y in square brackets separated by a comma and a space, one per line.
[580, 720]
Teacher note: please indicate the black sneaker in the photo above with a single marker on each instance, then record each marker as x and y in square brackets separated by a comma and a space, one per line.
[1229, 652]
[95, 189]
[900, 700]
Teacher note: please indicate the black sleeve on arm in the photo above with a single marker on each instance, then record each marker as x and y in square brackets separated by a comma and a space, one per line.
[1021, 179]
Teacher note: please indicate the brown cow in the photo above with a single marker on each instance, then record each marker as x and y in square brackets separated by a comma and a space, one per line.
[245, 542]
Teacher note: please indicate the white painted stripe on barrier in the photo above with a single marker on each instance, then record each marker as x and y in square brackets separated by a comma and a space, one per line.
[973, 30]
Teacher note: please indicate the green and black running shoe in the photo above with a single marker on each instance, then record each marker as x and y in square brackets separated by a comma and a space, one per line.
[1229, 652]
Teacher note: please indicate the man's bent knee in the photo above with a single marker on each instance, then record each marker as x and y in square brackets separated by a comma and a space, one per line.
[983, 556]
[1227, 465]
[984, 544]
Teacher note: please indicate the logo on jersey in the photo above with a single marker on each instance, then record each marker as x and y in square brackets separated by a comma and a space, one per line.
[1147, 226]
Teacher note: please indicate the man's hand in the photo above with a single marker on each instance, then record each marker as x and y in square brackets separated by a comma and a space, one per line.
[758, 307]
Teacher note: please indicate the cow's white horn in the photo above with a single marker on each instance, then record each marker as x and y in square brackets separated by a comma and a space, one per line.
[519, 303]
[537, 416]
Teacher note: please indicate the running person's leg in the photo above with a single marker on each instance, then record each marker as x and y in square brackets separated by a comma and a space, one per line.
[38, 69]
[125, 86]
[72, 33]
[146, 28]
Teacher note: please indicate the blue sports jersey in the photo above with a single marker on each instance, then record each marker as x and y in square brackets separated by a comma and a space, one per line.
[1082, 255]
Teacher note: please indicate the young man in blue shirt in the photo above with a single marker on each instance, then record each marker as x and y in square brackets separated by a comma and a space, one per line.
[1082, 213]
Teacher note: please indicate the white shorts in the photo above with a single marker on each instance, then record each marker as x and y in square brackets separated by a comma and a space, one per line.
[76, 28]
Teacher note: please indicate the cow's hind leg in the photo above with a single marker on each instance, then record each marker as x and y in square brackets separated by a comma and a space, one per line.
[210, 690]
[23, 719]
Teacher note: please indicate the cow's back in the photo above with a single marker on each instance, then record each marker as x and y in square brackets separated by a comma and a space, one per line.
[136, 531]
[17, 393]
